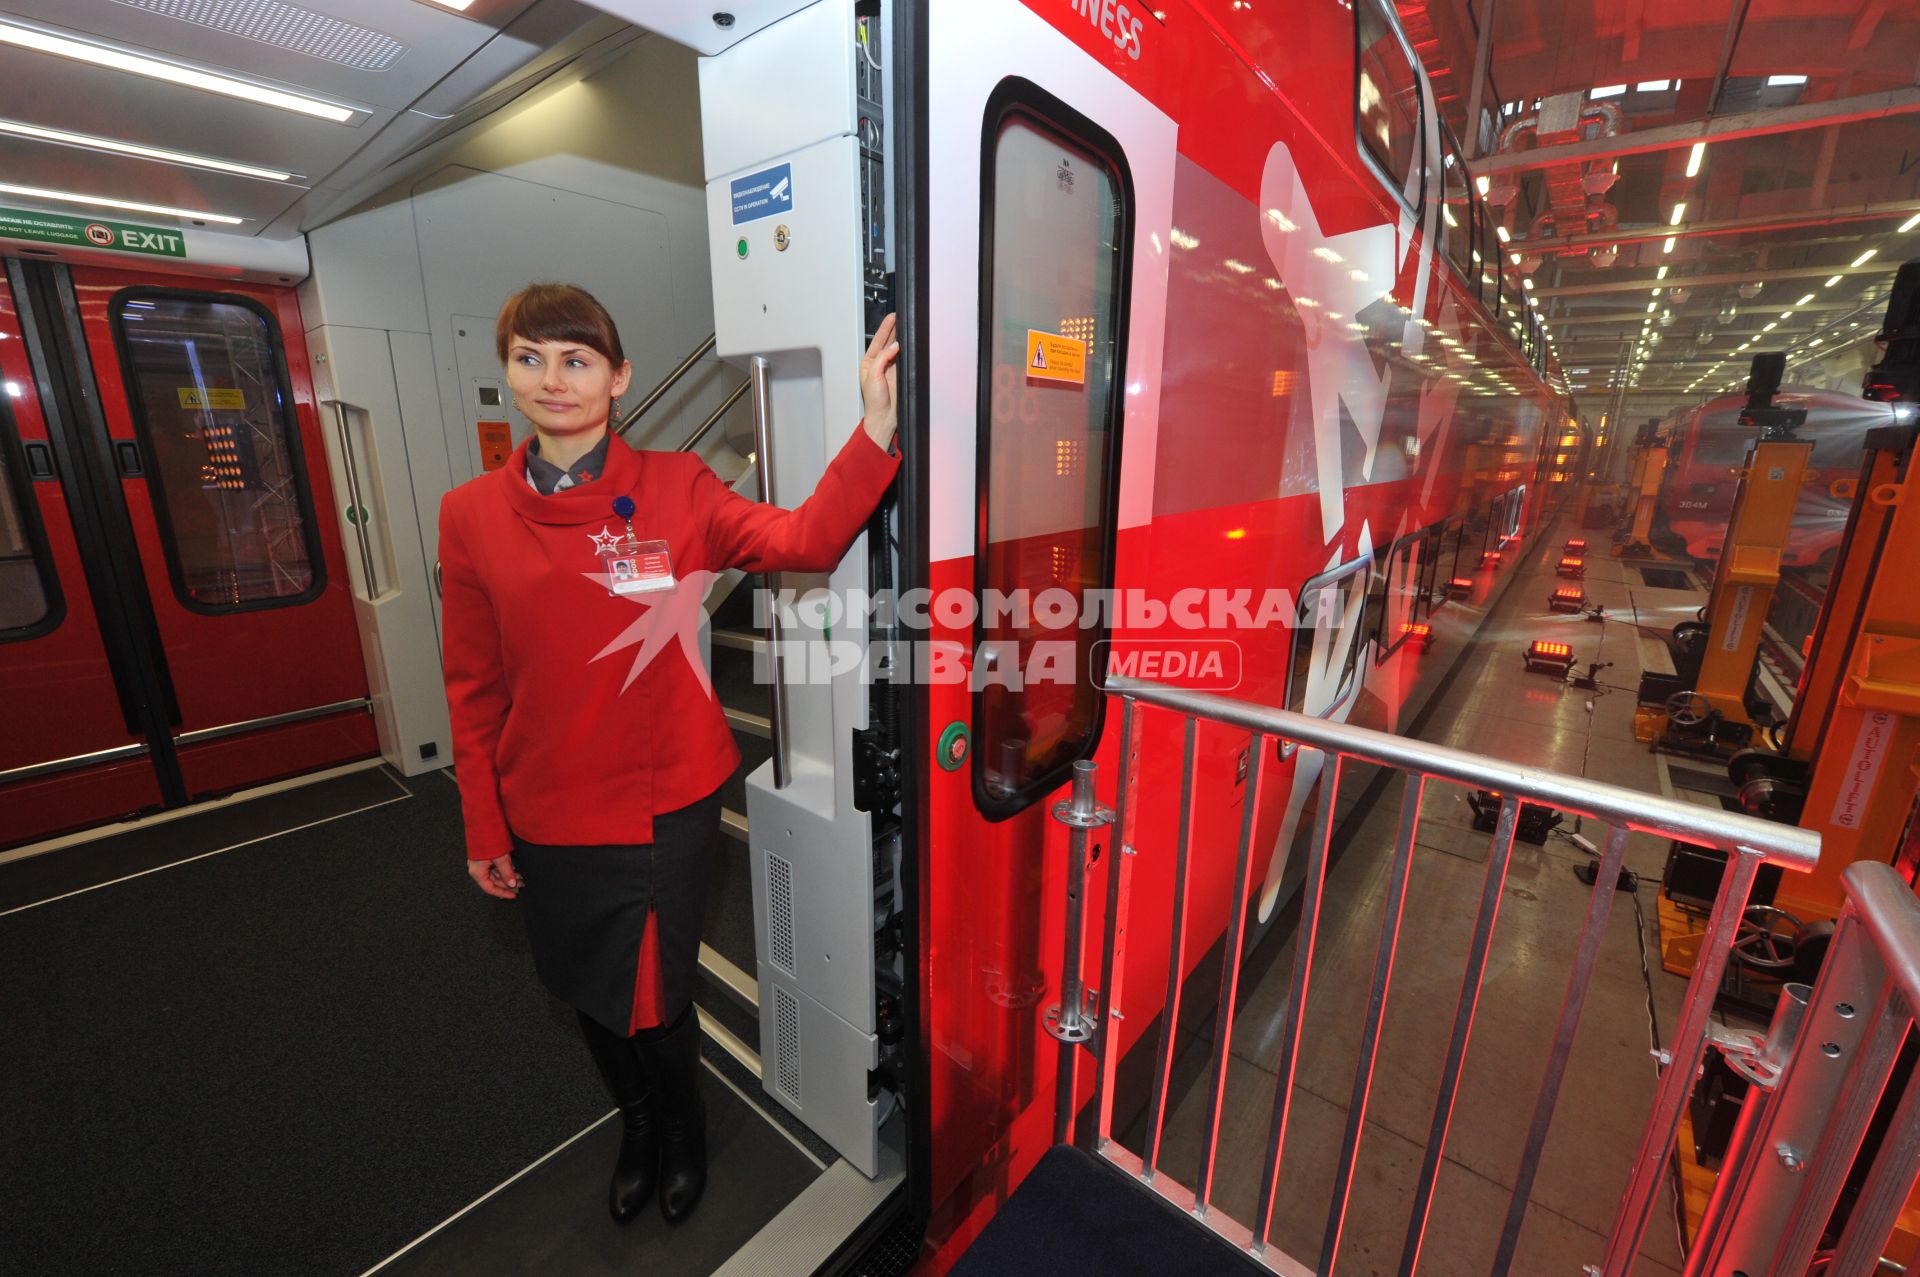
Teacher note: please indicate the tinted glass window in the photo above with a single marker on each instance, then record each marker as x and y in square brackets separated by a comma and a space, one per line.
[1051, 353]
[1456, 212]
[26, 598]
[221, 446]
[1387, 112]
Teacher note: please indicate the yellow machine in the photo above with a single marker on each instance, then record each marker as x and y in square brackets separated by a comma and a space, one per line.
[1746, 578]
[1643, 494]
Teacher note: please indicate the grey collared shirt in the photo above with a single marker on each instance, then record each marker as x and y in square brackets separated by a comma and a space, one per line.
[546, 478]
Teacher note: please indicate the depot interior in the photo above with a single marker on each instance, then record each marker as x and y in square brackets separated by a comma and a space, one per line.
[258, 1020]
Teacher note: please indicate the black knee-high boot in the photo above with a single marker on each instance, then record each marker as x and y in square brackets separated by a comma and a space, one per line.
[671, 1057]
[638, 1168]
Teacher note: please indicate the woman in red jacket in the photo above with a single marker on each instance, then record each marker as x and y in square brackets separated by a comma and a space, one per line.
[590, 751]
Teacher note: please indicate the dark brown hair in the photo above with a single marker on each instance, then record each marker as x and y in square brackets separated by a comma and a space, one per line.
[558, 312]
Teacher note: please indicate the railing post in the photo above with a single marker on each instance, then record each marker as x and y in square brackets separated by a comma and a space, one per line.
[1068, 1020]
[1113, 941]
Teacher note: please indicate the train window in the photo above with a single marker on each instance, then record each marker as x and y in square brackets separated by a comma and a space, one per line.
[1055, 243]
[1387, 102]
[214, 409]
[1400, 604]
[1456, 211]
[30, 603]
[1329, 634]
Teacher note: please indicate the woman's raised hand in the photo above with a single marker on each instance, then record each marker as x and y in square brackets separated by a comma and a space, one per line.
[878, 379]
[496, 877]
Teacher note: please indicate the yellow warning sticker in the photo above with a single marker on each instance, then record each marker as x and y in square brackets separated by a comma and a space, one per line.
[1051, 357]
[202, 397]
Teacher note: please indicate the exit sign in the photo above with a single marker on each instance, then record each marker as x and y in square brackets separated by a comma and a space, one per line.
[81, 232]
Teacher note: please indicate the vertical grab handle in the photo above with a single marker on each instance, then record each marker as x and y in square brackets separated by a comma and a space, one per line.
[356, 512]
[761, 383]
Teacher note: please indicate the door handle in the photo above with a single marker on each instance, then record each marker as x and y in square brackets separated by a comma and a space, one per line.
[40, 461]
[126, 459]
[762, 382]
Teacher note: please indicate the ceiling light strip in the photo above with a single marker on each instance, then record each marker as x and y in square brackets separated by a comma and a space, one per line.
[40, 133]
[153, 68]
[105, 201]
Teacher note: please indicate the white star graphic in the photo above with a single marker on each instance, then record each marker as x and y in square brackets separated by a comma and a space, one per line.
[671, 616]
[603, 540]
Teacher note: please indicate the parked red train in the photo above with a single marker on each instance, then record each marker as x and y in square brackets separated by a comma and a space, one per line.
[1707, 444]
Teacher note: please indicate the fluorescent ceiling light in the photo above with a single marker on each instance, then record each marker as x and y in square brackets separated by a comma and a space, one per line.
[1830, 283]
[1652, 86]
[1652, 306]
[1481, 183]
[1662, 274]
[1804, 300]
[1668, 246]
[1778, 81]
[1865, 257]
[1679, 211]
[1606, 91]
[1909, 224]
[1501, 231]
[116, 60]
[1694, 158]
[1770, 327]
[35, 131]
[131, 206]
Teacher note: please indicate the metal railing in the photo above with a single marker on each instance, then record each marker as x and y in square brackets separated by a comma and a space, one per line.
[667, 383]
[1747, 842]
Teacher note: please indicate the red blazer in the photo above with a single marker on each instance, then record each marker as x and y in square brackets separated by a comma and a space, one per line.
[554, 735]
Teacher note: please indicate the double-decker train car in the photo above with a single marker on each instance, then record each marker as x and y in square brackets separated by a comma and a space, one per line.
[1308, 374]
[1212, 365]
[1707, 445]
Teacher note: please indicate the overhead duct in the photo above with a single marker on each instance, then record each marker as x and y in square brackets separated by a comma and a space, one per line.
[1576, 191]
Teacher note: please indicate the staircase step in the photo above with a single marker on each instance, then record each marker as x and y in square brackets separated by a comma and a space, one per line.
[742, 720]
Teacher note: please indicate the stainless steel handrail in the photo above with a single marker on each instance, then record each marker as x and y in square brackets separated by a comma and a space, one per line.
[761, 381]
[1786, 845]
[358, 511]
[713, 418]
[1748, 842]
[667, 383]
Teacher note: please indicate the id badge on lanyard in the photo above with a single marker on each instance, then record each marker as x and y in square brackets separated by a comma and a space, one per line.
[629, 565]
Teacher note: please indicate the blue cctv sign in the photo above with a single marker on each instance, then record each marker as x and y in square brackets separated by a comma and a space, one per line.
[767, 193]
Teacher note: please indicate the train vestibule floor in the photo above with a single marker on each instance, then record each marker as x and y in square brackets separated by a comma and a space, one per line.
[287, 1036]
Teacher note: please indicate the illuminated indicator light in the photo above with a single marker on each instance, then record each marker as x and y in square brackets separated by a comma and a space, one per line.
[1236, 534]
[1460, 587]
[1489, 558]
[1573, 565]
[115, 59]
[1694, 157]
[1577, 545]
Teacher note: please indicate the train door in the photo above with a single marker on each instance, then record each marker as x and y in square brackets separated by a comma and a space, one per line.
[176, 621]
[1048, 228]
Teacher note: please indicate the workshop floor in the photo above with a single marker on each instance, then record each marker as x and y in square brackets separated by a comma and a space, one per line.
[1492, 707]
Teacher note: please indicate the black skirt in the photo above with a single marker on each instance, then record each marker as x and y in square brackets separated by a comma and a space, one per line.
[616, 930]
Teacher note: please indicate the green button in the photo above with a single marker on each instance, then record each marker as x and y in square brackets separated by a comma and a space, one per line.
[741, 248]
[954, 743]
